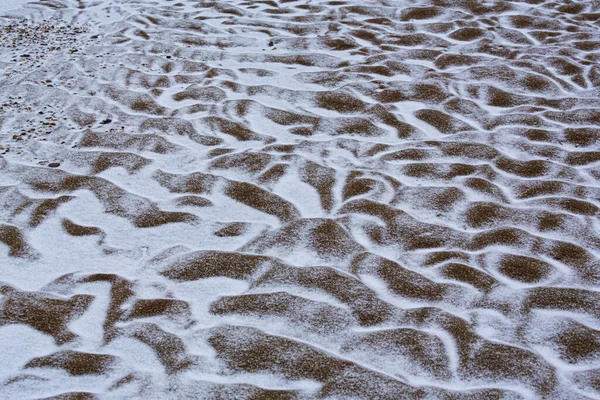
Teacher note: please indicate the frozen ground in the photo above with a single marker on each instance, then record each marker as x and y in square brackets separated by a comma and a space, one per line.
[300, 199]
[11, 4]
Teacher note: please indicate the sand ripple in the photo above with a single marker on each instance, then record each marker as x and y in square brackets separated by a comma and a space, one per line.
[297, 199]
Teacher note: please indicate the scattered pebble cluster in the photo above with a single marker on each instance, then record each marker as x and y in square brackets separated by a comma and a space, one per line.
[30, 44]
[24, 47]
[13, 105]
[38, 125]
[10, 107]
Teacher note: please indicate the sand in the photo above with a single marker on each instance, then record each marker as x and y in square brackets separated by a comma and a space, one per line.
[12, 4]
[300, 199]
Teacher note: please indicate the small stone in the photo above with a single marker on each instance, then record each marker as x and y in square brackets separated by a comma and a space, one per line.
[54, 165]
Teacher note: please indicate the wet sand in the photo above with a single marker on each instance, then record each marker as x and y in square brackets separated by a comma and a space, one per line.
[299, 199]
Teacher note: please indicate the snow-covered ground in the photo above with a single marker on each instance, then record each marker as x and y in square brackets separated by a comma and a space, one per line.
[11, 4]
[300, 199]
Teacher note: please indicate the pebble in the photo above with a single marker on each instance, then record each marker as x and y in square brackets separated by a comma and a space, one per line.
[54, 165]
[39, 39]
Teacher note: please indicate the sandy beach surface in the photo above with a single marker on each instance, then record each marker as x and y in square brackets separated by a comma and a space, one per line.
[302, 199]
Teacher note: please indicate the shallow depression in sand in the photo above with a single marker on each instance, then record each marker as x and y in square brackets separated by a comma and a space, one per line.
[289, 199]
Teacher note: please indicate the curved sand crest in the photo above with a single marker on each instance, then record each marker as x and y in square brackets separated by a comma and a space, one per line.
[300, 200]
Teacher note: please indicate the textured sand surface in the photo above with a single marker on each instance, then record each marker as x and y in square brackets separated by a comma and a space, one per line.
[300, 199]
[11, 4]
